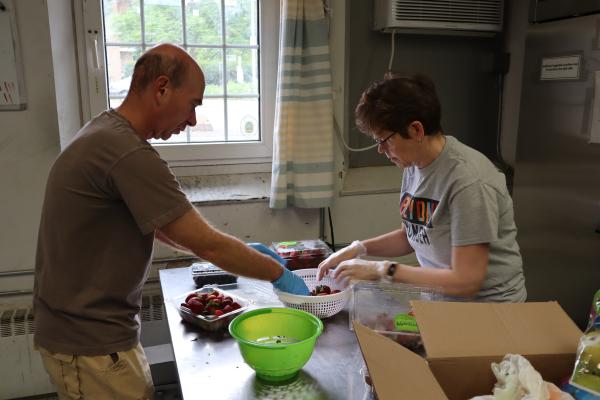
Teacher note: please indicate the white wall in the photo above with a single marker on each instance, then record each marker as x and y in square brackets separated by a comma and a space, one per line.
[62, 35]
[29, 142]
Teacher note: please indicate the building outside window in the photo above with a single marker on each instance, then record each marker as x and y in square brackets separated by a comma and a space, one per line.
[234, 43]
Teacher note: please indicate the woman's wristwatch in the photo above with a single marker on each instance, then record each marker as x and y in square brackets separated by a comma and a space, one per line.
[389, 272]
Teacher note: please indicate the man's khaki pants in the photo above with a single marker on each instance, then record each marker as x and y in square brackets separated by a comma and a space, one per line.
[124, 375]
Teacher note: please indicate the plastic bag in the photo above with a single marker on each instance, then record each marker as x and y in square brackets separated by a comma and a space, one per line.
[518, 380]
[586, 374]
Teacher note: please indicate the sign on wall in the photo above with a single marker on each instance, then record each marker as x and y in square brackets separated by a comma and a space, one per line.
[12, 88]
[560, 68]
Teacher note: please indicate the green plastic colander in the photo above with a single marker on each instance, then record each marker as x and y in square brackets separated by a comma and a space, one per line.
[276, 342]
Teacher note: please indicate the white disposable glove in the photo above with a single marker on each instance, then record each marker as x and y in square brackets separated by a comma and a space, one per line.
[358, 269]
[354, 250]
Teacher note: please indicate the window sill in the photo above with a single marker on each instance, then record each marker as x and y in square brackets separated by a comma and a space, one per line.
[255, 187]
[372, 180]
[225, 189]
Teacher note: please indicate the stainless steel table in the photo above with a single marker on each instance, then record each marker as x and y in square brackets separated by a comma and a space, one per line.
[210, 365]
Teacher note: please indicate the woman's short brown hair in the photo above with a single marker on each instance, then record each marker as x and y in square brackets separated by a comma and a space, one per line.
[393, 103]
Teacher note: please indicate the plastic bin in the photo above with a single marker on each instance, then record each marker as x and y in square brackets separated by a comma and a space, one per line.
[205, 273]
[302, 254]
[380, 305]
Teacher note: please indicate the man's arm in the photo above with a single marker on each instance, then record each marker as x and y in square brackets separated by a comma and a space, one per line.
[192, 232]
[164, 239]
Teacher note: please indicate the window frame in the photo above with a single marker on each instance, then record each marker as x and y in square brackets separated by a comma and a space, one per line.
[93, 83]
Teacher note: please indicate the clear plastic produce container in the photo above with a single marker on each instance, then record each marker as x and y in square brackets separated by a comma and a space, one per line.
[210, 323]
[302, 254]
[385, 308]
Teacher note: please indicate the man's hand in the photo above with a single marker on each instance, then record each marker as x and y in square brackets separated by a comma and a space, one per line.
[267, 251]
[288, 281]
[291, 283]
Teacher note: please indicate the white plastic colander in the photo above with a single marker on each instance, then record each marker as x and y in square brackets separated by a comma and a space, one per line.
[320, 306]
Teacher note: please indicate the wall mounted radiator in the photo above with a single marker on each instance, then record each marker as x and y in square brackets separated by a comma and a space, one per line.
[21, 371]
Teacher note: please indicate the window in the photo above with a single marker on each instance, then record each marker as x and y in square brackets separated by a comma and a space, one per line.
[233, 42]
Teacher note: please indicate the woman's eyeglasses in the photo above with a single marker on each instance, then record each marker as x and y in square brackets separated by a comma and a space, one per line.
[381, 142]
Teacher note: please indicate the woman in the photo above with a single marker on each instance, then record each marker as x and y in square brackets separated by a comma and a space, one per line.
[457, 214]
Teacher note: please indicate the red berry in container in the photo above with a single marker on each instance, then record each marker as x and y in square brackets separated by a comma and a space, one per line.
[190, 296]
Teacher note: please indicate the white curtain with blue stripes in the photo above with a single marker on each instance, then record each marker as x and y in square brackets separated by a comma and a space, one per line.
[302, 173]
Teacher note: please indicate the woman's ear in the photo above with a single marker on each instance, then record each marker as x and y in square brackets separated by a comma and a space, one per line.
[416, 131]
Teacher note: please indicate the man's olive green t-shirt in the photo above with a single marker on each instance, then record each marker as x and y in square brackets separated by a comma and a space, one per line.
[106, 194]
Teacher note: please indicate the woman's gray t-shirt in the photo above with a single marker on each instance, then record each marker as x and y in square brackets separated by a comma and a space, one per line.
[461, 199]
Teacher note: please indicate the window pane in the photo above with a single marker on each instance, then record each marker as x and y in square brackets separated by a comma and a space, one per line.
[241, 22]
[226, 115]
[211, 62]
[209, 122]
[115, 102]
[203, 19]
[120, 63]
[242, 71]
[242, 119]
[123, 21]
[162, 21]
[181, 137]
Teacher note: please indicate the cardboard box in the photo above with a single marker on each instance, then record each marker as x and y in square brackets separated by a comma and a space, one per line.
[461, 341]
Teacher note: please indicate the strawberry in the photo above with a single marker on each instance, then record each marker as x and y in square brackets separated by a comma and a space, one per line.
[226, 303]
[321, 290]
[218, 313]
[195, 306]
[235, 305]
[190, 296]
[227, 309]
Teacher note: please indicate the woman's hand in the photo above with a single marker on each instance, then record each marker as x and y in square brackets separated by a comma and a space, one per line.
[354, 250]
[358, 269]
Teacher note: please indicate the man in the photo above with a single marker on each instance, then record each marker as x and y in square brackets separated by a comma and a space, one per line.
[108, 195]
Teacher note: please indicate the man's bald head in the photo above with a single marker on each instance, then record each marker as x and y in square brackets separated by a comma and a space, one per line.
[165, 59]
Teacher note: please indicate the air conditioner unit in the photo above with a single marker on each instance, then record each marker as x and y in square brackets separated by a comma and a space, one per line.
[473, 17]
